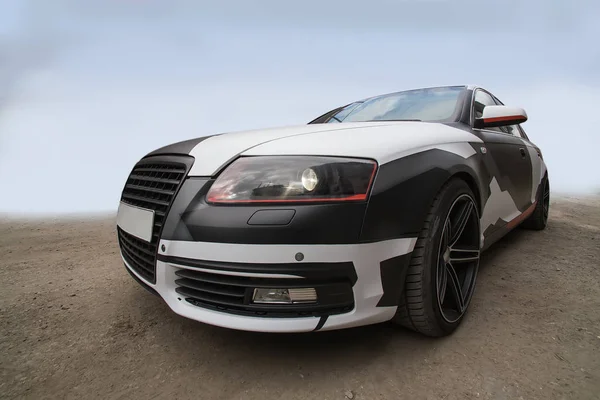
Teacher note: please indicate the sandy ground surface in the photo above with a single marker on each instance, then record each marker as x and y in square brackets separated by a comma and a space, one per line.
[73, 324]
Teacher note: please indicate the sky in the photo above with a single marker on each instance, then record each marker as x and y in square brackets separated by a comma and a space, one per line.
[89, 87]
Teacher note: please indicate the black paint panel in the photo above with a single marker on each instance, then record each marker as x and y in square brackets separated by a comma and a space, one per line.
[401, 196]
[272, 217]
[393, 273]
[511, 165]
[402, 193]
[179, 148]
[191, 192]
[192, 219]
[321, 323]
[142, 283]
[404, 190]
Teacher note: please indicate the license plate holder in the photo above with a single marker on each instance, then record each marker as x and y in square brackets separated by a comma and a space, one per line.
[136, 221]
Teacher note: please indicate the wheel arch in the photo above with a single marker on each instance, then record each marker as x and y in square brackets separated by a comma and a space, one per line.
[404, 190]
[473, 185]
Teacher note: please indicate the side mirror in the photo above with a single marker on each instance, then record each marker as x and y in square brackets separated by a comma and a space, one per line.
[494, 116]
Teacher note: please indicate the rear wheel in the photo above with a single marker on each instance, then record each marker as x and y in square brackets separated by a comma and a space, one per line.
[441, 277]
[539, 218]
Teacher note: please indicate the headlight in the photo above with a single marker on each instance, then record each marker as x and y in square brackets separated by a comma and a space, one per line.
[276, 179]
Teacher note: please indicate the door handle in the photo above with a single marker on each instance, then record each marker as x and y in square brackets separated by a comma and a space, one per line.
[523, 152]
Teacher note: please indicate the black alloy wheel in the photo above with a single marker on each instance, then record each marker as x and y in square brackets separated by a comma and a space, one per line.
[539, 218]
[546, 200]
[458, 259]
[441, 276]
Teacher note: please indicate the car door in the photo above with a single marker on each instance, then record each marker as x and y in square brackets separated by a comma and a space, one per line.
[508, 163]
[538, 167]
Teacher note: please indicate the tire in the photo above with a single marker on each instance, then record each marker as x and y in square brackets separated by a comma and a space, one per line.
[539, 218]
[420, 307]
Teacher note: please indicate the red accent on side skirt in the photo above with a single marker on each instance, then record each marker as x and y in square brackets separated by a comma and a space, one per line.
[514, 222]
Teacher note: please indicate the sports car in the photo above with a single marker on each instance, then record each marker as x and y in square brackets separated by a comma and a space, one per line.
[375, 211]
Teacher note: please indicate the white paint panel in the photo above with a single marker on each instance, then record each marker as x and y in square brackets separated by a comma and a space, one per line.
[285, 253]
[216, 151]
[368, 289]
[503, 111]
[500, 205]
[383, 143]
[136, 221]
[236, 273]
[165, 287]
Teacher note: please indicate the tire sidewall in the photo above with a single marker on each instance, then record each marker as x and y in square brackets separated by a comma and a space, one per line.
[545, 184]
[453, 191]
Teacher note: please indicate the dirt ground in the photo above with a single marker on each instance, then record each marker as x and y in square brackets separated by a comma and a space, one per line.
[73, 324]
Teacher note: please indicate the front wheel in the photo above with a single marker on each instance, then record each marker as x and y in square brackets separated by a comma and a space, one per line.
[443, 269]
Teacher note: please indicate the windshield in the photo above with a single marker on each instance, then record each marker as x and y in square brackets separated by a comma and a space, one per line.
[432, 104]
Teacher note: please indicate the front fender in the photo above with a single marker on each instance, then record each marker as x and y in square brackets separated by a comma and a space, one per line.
[404, 189]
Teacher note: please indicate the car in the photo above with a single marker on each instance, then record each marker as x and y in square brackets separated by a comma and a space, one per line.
[376, 211]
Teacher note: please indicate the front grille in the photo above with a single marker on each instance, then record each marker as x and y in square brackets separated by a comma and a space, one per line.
[152, 184]
[139, 254]
[233, 294]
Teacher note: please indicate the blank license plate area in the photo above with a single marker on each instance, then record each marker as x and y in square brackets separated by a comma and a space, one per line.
[136, 221]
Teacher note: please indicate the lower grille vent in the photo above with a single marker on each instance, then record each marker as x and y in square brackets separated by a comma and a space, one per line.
[233, 294]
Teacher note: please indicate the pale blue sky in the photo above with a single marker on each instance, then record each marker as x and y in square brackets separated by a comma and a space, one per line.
[88, 87]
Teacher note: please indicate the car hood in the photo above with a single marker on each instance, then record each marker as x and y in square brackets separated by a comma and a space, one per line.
[381, 141]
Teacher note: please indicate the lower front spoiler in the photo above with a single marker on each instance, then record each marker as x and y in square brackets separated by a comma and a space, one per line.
[380, 269]
[142, 283]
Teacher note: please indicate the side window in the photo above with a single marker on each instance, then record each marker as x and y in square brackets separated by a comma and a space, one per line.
[512, 130]
[523, 134]
[483, 99]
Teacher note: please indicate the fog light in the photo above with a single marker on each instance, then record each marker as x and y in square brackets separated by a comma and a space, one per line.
[284, 296]
[303, 295]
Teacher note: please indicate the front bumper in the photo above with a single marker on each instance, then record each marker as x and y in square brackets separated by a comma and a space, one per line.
[204, 261]
[379, 269]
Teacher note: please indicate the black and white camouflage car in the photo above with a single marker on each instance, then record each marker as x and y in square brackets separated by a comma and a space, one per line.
[375, 211]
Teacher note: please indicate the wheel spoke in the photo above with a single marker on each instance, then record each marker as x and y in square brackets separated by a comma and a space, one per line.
[463, 255]
[546, 201]
[459, 226]
[446, 235]
[458, 257]
[442, 280]
[455, 287]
